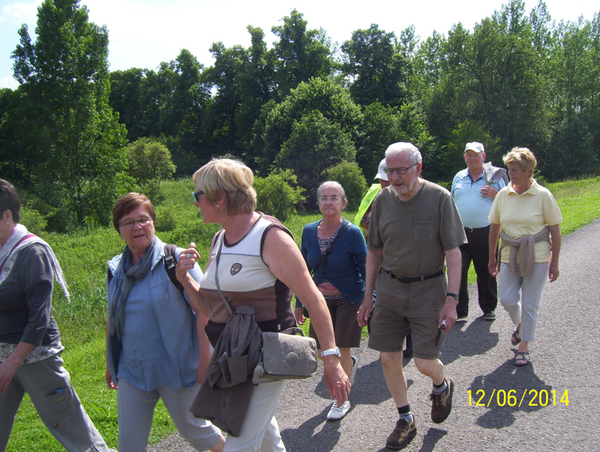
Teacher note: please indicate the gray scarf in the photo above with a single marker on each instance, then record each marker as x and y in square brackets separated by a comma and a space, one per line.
[124, 278]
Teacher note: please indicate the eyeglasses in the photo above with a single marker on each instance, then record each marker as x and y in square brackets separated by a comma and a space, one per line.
[141, 221]
[196, 195]
[334, 198]
[401, 170]
[471, 156]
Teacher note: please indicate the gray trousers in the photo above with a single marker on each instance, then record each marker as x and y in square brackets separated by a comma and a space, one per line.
[136, 410]
[48, 384]
[521, 296]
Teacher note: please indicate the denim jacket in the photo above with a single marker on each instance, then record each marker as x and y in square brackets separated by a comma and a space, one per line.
[160, 343]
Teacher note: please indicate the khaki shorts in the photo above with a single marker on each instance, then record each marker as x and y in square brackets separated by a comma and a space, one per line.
[401, 307]
[345, 326]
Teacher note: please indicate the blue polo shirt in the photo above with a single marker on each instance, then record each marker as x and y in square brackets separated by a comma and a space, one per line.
[472, 206]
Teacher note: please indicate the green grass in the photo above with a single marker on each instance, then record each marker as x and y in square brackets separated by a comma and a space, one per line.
[83, 257]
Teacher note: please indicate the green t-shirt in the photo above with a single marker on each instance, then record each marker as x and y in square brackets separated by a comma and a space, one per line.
[415, 234]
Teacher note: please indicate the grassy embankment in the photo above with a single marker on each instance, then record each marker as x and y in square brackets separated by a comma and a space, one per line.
[83, 257]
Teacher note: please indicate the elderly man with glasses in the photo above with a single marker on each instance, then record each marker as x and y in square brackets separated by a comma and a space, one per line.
[474, 190]
[415, 232]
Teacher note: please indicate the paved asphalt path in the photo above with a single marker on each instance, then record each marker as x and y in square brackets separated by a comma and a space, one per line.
[477, 355]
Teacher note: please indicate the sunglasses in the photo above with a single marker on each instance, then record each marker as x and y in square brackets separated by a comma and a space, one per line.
[196, 195]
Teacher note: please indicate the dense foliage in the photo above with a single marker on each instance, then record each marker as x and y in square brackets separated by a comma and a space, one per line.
[305, 104]
[68, 144]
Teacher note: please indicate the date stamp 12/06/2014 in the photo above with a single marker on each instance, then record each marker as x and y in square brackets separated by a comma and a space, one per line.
[525, 397]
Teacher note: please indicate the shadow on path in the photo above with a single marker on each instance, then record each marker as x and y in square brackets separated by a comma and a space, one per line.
[506, 391]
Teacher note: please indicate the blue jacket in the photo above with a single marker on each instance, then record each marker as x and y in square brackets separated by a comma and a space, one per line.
[164, 341]
[344, 267]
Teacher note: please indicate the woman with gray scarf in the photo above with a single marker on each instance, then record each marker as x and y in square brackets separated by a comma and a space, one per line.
[156, 346]
[30, 348]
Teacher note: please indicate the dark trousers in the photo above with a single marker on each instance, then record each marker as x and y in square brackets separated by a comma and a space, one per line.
[477, 250]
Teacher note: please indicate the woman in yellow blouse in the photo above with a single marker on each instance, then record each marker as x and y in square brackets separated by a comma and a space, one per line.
[529, 218]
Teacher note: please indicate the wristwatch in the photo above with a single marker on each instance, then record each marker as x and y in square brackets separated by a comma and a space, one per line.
[331, 351]
[453, 295]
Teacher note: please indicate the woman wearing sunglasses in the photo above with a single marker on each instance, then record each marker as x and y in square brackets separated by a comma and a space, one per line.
[254, 261]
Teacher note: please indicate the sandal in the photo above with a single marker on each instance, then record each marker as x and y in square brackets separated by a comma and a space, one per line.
[515, 339]
[523, 360]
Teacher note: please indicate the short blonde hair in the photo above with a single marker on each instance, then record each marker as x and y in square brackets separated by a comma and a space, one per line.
[224, 176]
[522, 157]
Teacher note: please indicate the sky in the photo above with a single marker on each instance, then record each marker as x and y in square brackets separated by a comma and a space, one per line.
[144, 33]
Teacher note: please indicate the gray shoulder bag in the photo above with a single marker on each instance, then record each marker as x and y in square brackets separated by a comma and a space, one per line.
[286, 354]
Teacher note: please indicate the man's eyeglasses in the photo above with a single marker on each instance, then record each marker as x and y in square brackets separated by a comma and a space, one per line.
[401, 170]
[196, 195]
[141, 221]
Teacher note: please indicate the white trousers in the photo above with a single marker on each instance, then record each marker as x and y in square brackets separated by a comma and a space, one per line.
[136, 409]
[521, 296]
[260, 432]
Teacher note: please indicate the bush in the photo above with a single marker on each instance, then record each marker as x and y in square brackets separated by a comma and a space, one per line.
[278, 194]
[33, 220]
[152, 190]
[165, 220]
[149, 160]
[350, 176]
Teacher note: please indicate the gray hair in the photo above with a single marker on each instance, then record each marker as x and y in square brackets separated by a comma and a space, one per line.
[401, 146]
[336, 185]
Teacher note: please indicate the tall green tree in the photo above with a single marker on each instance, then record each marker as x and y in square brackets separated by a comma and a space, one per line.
[575, 75]
[257, 86]
[375, 66]
[315, 144]
[223, 76]
[492, 76]
[184, 110]
[243, 80]
[301, 54]
[125, 98]
[383, 125]
[65, 75]
[19, 153]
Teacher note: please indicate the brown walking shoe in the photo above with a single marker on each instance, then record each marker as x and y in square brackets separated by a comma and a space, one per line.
[441, 404]
[403, 434]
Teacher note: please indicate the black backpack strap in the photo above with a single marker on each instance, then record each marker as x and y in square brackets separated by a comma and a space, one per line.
[171, 265]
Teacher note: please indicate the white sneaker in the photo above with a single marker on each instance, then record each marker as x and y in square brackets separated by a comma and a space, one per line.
[355, 361]
[338, 412]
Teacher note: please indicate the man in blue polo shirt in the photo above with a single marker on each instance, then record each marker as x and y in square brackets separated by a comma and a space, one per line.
[474, 190]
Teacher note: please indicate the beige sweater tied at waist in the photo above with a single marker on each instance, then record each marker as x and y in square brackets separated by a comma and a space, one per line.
[525, 247]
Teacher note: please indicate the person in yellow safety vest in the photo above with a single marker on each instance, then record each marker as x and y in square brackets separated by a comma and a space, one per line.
[364, 211]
